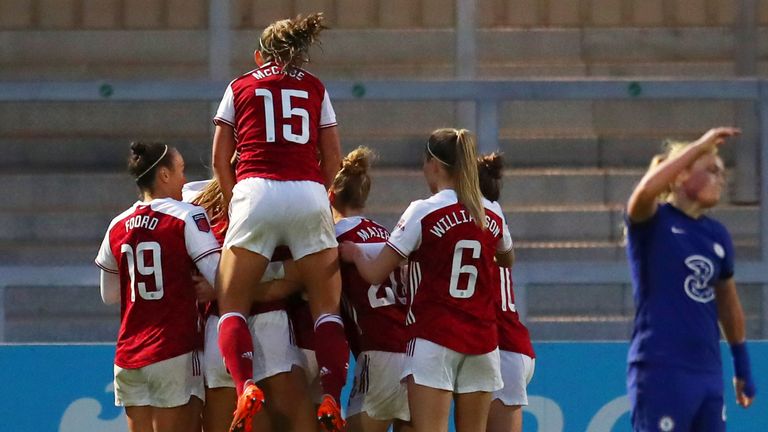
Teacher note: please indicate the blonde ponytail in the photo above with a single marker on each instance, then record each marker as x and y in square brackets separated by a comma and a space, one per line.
[352, 183]
[456, 151]
[467, 181]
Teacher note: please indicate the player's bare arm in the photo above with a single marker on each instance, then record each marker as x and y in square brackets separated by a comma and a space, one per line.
[643, 201]
[223, 150]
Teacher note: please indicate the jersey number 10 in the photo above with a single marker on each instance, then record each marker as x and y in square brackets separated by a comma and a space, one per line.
[269, 113]
[136, 263]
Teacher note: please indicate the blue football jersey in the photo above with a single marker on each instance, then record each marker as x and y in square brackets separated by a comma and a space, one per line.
[675, 262]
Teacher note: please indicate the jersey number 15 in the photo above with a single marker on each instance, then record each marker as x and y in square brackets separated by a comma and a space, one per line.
[269, 113]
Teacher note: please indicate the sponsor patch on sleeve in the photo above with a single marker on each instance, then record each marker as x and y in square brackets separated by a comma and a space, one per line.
[202, 222]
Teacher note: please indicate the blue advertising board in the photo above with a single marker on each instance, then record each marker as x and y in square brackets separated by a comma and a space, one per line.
[576, 387]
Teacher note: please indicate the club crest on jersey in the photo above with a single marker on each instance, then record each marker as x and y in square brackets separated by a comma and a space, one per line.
[202, 222]
[697, 284]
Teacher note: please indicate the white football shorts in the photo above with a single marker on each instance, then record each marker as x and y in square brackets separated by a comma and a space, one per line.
[377, 389]
[165, 384]
[266, 213]
[436, 366]
[215, 371]
[516, 371]
[273, 349]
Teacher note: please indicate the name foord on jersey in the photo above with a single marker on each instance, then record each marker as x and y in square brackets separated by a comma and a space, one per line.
[455, 218]
[273, 70]
[366, 233]
[140, 221]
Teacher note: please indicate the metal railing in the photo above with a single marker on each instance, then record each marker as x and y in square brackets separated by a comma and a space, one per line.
[488, 96]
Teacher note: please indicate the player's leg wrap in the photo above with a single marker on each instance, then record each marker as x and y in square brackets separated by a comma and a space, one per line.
[236, 347]
[332, 352]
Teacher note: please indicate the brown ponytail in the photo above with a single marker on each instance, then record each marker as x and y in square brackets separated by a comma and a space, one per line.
[489, 171]
[455, 149]
[287, 41]
[352, 183]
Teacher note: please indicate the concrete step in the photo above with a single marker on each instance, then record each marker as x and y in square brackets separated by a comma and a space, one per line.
[51, 301]
[59, 314]
[35, 253]
[361, 53]
[66, 153]
[74, 191]
[65, 329]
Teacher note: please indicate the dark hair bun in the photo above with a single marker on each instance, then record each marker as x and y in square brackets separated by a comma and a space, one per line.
[492, 165]
[138, 149]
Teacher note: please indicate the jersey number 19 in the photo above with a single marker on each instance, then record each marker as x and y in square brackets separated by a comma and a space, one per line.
[136, 263]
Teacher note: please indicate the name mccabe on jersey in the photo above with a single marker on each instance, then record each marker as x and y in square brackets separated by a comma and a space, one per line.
[276, 70]
[445, 223]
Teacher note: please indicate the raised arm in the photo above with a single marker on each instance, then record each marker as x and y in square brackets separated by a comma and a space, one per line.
[223, 150]
[642, 203]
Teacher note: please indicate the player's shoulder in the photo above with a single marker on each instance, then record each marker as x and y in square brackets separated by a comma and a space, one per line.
[493, 207]
[178, 209]
[123, 216]
[347, 224]
[192, 190]
[716, 226]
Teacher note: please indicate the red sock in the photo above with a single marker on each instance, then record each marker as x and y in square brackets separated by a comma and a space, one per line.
[236, 347]
[332, 352]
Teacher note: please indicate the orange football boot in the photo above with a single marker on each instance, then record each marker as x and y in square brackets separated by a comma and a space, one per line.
[329, 415]
[248, 405]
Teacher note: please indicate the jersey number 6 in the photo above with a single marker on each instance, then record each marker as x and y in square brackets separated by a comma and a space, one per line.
[136, 263]
[457, 269]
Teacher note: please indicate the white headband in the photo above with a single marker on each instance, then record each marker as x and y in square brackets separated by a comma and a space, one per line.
[154, 164]
[437, 158]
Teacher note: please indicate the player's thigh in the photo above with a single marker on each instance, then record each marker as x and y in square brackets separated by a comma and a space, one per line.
[220, 403]
[322, 280]
[139, 418]
[361, 422]
[430, 407]
[185, 418]
[711, 415]
[290, 406]
[662, 398]
[504, 418]
[471, 410]
[239, 272]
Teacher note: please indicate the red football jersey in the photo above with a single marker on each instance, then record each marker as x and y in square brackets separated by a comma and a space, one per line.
[153, 248]
[452, 272]
[513, 335]
[377, 311]
[276, 114]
